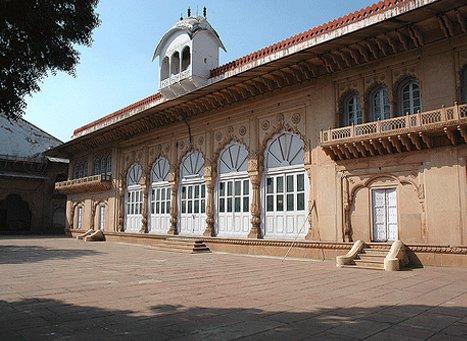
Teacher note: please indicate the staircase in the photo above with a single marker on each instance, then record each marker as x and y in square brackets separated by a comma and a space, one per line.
[182, 245]
[369, 258]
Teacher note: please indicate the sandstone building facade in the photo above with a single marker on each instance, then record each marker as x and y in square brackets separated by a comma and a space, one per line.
[356, 129]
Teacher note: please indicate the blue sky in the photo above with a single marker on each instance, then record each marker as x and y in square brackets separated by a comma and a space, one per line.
[117, 70]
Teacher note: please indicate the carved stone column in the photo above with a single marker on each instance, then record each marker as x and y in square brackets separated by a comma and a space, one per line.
[144, 213]
[93, 212]
[255, 208]
[72, 216]
[210, 183]
[347, 205]
[310, 235]
[173, 230]
[121, 204]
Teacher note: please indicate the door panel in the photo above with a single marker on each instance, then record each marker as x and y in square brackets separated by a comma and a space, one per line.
[159, 208]
[233, 206]
[285, 206]
[193, 209]
[384, 215]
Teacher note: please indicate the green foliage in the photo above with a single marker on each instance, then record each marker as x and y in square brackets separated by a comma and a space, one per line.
[37, 37]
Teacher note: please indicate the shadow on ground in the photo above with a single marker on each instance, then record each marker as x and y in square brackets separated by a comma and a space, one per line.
[40, 319]
[15, 254]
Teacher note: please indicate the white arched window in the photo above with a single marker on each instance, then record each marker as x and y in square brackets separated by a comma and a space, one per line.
[80, 170]
[103, 165]
[101, 217]
[352, 113]
[192, 195]
[160, 195]
[165, 68]
[233, 191]
[380, 109]
[79, 217]
[410, 99]
[186, 58]
[134, 199]
[285, 188]
[175, 63]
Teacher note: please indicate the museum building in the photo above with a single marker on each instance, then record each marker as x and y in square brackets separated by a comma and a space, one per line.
[353, 130]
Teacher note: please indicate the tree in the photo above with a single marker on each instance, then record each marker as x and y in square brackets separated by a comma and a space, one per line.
[38, 37]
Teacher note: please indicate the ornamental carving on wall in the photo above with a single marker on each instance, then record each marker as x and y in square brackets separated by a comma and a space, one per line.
[280, 117]
[265, 125]
[242, 131]
[200, 140]
[349, 198]
[296, 117]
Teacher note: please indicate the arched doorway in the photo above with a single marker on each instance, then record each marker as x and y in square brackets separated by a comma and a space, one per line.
[233, 192]
[192, 195]
[160, 196]
[15, 214]
[134, 199]
[285, 188]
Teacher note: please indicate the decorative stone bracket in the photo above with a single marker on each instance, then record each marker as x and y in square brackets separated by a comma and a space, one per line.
[397, 257]
[351, 255]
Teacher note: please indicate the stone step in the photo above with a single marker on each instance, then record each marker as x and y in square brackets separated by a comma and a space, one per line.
[370, 259]
[369, 263]
[363, 267]
[182, 246]
[375, 252]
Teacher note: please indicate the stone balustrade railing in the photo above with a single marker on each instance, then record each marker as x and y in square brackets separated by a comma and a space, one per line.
[89, 183]
[396, 124]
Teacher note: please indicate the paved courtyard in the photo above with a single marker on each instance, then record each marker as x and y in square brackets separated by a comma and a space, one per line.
[63, 289]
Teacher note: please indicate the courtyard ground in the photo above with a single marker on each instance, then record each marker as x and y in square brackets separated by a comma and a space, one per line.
[63, 289]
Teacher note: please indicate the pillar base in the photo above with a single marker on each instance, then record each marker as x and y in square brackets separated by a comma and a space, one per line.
[172, 231]
[208, 232]
[255, 233]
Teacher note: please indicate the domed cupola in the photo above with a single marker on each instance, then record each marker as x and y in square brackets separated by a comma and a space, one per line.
[187, 53]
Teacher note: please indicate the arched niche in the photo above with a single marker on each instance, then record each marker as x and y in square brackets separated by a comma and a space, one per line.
[165, 67]
[175, 63]
[186, 58]
[15, 214]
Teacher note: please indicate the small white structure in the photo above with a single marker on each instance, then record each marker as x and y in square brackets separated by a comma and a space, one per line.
[187, 53]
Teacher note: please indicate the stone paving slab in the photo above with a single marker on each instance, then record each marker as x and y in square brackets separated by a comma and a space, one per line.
[63, 289]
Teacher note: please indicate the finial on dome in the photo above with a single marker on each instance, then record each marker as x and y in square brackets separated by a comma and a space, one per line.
[181, 16]
[189, 11]
[204, 11]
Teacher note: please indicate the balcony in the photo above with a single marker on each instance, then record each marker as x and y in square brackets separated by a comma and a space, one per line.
[94, 183]
[418, 131]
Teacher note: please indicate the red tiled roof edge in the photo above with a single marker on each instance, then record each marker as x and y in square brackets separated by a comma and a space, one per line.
[351, 18]
[135, 105]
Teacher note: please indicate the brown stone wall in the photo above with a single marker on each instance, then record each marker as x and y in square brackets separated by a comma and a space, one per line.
[36, 190]
[431, 184]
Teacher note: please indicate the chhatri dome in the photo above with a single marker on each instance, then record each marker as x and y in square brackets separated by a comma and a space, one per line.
[187, 53]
